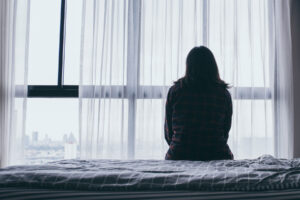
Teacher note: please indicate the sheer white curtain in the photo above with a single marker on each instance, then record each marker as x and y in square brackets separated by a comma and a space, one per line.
[13, 71]
[103, 77]
[132, 51]
[239, 35]
[283, 79]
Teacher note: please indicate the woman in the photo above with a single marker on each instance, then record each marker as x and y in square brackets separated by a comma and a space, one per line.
[198, 111]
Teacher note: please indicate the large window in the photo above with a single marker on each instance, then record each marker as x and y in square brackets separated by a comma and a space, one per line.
[54, 74]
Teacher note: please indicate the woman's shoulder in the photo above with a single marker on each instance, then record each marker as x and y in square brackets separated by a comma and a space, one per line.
[178, 85]
[222, 93]
[176, 89]
[227, 93]
[227, 96]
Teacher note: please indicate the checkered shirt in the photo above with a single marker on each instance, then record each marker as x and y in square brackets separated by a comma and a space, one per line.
[197, 123]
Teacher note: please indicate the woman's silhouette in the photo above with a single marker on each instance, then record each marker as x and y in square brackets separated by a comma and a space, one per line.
[198, 111]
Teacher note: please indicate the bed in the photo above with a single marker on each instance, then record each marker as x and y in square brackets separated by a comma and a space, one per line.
[263, 178]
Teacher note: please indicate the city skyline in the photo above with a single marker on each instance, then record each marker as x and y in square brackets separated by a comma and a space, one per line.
[41, 150]
[52, 117]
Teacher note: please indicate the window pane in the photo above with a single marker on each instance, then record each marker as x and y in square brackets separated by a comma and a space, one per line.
[168, 32]
[114, 128]
[51, 130]
[252, 130]
[149, 137]
[72, 43]
[247, 64]
[105, 50]
[44, 42]
[104, 128]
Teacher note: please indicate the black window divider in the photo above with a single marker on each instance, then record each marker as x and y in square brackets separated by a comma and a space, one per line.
[52, 91]
[61, 56]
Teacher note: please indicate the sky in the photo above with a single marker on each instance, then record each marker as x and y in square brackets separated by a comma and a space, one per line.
[54, 117]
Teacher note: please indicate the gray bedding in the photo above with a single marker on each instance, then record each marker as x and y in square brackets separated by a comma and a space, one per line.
[263, 173]
[11, 193]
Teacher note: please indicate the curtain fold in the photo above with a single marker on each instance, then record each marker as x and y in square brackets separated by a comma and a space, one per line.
[132, 51]
[14, 17]
[283, 80]
[103, 106]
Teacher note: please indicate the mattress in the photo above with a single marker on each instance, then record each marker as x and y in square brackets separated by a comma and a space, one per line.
[55, 194]
[262, 174]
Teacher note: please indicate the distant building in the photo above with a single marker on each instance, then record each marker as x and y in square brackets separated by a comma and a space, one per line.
[35, 137]
[70, 147]
[65, 138]
[71, 138]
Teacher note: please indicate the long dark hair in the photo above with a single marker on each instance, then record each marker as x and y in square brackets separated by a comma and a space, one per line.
[202, 69]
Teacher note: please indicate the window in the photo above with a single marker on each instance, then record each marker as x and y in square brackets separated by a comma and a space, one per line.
[52, 116]
[54, 72]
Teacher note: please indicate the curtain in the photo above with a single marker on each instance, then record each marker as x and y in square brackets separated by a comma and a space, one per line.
[103, 131]
[283, 80]
[13, 71]
[239, 36]
[132, 51]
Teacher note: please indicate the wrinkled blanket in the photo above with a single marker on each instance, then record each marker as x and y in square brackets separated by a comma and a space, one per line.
[263, 173]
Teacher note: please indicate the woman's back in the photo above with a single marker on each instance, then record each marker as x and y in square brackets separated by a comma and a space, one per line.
[198, 120]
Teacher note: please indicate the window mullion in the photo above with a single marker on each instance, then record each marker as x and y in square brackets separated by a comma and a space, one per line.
[205, 10]
[273, 79]
[133, 60]
[61, 56]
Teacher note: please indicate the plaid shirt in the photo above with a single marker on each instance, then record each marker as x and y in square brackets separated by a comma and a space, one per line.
[197, 123]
